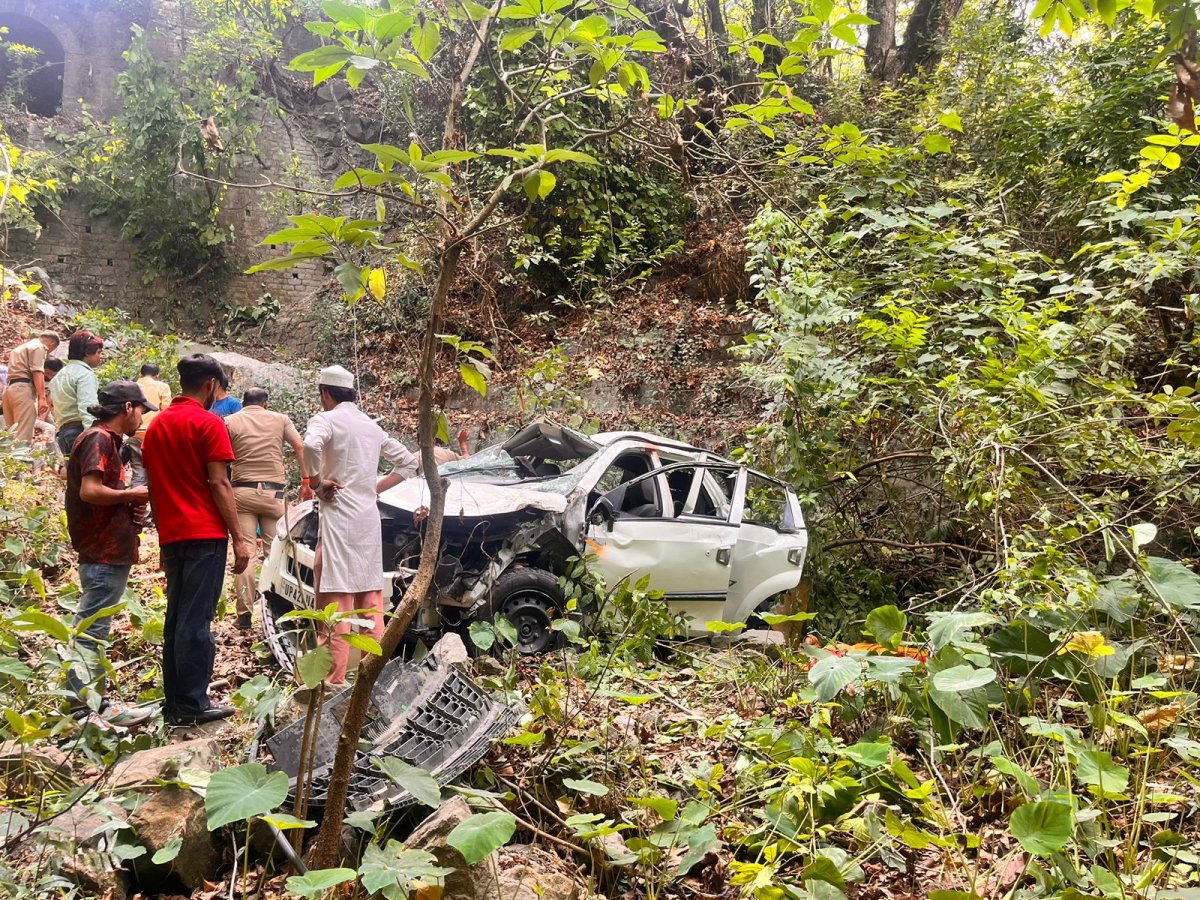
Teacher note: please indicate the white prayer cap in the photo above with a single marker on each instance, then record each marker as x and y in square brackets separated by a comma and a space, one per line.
[335, 376]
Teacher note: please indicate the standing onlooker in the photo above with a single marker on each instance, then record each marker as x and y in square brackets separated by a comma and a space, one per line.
[74, 388]
[187, 456]
[100, 519]
[44, 430]
[342, 447]
[225, 405]
[259, 480]
[158, 393]
[25, 399]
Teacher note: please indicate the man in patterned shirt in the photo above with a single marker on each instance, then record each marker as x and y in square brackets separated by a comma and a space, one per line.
[101, 513]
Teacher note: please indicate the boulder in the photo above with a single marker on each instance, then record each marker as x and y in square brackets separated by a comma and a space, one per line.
[514, 873]
[450, 651]
[90, 872]
[32, 769]
[174, 813]
[487, 665]
[90, 826]
[431, 836]
[770, 642]
[147, 766]
[524, 882]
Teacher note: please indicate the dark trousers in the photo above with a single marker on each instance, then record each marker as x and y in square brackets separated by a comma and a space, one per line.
[66, 437]
[195, 572]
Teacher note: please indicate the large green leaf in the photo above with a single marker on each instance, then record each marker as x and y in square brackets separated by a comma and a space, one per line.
[868, 755]
[583, 786]
[832, 674]
[391, 870]
[415, 780]
[1177, 584]
[963, 678]
[1020, 646]
[886, 624]
[314, 665]
[1105, 777]
[478, 837]
[242, 792]
[317, 881]
[36, 620]
[947, 628]
[1043, 828]
[968, 708]
[700, 843]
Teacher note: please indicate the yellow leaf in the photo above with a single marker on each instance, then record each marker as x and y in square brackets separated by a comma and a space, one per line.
[1089, 643]
[377, 283]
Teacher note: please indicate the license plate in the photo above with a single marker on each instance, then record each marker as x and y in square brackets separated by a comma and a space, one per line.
[295, 595]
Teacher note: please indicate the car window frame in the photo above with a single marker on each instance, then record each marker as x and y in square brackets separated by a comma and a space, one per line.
[664, 492]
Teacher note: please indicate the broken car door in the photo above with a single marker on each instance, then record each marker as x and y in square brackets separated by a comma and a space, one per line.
[673, 524]
[771, 545]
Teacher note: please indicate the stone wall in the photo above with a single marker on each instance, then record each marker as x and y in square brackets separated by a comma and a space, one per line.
[93, 34]
[88, 258]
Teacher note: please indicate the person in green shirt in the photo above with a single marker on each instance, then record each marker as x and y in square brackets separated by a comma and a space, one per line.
[74, 389]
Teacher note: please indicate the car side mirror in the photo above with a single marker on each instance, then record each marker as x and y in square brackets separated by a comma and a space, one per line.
[603, 513]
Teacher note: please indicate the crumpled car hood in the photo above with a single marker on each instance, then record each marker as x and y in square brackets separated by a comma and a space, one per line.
[473, 499]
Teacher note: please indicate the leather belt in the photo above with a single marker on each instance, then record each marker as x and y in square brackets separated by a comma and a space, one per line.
[268, 485]
[20, 381]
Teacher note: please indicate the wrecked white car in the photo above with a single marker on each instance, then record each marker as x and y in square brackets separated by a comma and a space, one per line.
[718, 540]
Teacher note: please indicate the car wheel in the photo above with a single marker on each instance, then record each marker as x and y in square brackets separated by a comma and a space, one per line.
[286, 639]
[531, 600]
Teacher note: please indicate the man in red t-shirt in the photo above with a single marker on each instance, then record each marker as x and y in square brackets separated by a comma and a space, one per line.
[186, 453]
[101, 512]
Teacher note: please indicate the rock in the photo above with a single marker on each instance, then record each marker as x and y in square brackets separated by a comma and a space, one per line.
[95, 879]
[523, 882]
[90, 826]
[770, 642]
[431, 836]
[30, 769]
[487, 665]
[450, 651]
[147, 766]
[169, 814]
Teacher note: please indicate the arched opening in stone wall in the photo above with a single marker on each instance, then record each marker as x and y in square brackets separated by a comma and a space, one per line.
[31, 65]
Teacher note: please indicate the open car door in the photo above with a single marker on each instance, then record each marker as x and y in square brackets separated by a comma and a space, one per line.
[675, 524]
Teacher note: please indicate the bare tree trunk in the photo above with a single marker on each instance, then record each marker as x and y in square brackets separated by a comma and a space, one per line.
[928, 26]
[716, 24]
[326, 851]
[880, 51]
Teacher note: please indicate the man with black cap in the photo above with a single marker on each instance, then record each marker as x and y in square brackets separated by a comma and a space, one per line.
[187, 453]
[101, 519]
[342, 448]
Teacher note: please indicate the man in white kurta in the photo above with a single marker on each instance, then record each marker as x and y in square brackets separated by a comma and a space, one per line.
[342, 447]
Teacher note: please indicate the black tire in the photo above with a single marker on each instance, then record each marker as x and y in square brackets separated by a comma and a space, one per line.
[285, 639]
[530, 599]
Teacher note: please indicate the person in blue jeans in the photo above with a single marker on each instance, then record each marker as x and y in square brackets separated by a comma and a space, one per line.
[101, 519]
[187, 453]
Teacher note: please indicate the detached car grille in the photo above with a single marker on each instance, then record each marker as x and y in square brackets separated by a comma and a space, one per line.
[429, 716]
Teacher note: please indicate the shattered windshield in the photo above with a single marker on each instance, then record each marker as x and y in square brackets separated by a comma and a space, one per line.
[494, 465]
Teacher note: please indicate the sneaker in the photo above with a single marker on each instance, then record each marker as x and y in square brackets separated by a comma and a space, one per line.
[126, 716]
[212, 714]
[244, 622]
